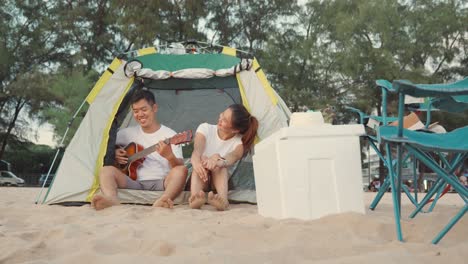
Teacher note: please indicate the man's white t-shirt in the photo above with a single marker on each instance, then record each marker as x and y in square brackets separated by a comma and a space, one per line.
[216, 145]
[155, 167]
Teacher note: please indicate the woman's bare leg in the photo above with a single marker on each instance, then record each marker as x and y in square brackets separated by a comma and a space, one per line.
[197, 195]
[220, 179]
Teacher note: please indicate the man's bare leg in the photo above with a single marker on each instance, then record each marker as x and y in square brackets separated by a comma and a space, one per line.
[220, 182]
[110, 179]
[197, 200]
[173, 185]
[197, 195]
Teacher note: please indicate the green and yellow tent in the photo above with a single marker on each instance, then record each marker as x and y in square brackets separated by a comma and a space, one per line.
[190, 88]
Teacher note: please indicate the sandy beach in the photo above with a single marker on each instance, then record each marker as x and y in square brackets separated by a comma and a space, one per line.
[32, 233]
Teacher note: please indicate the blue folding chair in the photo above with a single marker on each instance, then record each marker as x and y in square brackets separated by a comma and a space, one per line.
[429, 105]
[420, 144]
[373, 142]
[455, 104]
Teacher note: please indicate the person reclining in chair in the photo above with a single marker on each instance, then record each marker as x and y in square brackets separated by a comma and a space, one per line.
[162, 170]
[217, 148]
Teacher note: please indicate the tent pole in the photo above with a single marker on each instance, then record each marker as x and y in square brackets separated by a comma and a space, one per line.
[58, 150]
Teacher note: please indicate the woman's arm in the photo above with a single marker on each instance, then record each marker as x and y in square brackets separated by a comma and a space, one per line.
[223, 162]
[233, 156]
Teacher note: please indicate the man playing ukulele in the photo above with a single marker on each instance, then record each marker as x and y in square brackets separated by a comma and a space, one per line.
[162, 170]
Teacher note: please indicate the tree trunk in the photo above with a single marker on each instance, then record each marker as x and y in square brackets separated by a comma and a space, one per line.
[19, 105]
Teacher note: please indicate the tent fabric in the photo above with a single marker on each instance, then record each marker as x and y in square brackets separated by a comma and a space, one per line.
[187, 84]
[191, 73]
[282, 107]
[186, 109]
[171, 63]
[265, 84]
[103, 79]
[104, 143]
[229, 51]
[183, 102]
[76, 172]
[261, 106]
[146, 51]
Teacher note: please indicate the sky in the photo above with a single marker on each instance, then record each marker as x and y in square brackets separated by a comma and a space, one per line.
[45, 135]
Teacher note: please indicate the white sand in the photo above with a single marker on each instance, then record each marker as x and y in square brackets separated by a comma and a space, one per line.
[32, 233]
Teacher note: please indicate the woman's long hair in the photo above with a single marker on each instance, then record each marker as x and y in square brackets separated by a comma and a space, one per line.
[246, 123]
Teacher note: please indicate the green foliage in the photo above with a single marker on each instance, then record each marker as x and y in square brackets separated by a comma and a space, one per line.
[337, 49]
[29, 45]
[90, 30]
[70, 89]
[26, 157]
[141, 22]
[247, 25]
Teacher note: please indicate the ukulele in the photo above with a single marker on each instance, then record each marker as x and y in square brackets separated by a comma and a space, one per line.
[136, 153]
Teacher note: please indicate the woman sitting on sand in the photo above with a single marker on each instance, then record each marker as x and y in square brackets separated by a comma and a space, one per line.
[216, 149]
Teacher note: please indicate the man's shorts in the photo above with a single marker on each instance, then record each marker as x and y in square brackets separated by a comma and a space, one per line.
[152, 185]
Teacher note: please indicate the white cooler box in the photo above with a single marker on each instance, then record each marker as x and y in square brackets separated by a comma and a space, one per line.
[309, 172]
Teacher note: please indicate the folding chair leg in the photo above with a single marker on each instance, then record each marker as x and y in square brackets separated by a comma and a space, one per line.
[396, 210]
[450, 225]
[415, 180]
[408, 193]
[439, 183]
[383, 189]
[438, 195]
[386, 184]
[396, 204]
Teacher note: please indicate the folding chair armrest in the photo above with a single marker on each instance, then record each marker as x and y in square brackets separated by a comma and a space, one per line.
[436, 90]
[385, 84]
[357, 111]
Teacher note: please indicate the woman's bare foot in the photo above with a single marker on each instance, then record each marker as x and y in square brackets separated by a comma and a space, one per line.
[164, 202]
[196, 201]
[217, 201]
[100, 202]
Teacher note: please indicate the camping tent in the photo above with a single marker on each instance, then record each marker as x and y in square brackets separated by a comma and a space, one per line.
[190, 89]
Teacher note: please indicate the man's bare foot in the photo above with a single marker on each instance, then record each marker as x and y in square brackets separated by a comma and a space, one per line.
[217, 201]
[196, 201]
[164, 202]
[100, 202]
